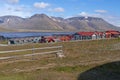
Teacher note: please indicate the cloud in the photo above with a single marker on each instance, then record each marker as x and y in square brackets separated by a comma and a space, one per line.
[9, 7]
[13, 1]
[16, 10]
[115, 20]
[90, 14]
[58, 9]
[41, 5]
[83, 14]
[101, 11]
[2, 2]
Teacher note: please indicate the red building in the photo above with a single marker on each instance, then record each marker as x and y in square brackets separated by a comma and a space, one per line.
[65, 38]
[112, 34]
[88, 35]
[62, 37]
[50, 39]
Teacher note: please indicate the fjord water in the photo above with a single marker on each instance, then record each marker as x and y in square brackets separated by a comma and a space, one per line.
[28, 34]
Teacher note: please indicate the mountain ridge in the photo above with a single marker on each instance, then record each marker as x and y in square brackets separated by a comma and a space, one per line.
[43, 22]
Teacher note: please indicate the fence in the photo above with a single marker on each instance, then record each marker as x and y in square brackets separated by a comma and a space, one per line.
[58, 52]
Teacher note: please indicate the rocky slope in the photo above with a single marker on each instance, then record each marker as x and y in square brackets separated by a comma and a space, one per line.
[44, 22]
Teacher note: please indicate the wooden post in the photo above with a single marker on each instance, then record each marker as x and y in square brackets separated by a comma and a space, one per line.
[60, 54]
[32, 52]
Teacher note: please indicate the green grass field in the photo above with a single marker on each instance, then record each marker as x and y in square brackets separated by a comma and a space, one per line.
[81, 56]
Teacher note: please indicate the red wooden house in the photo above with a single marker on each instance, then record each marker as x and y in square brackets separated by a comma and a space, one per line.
[112, 34]
[50, 39]
[62, 37]
[65, 38]
[88, 35]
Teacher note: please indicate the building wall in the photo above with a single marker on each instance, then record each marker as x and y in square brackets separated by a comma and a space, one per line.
[2, 38]
[24, 40]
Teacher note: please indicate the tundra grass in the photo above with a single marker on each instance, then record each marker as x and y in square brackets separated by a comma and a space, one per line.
[80, 57]
[4, 42]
